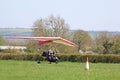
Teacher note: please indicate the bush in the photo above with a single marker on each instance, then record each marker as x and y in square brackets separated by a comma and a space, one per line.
[108, 58]
[25, 56]
[5, 56]
[92, 58]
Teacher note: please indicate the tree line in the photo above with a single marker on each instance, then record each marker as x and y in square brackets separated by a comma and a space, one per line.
[103, 43]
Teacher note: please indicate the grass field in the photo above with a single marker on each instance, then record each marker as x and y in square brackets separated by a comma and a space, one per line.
[30, 70]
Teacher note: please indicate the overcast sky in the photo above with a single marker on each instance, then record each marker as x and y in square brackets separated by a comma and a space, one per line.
[96, 15]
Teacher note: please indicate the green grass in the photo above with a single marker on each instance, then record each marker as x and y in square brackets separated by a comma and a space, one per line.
[30, 70]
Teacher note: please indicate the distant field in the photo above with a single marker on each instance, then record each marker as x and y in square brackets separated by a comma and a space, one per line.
[28, 32]
[15, 31]
[30, 70]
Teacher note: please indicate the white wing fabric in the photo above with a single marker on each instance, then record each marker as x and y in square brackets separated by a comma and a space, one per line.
[44, 40]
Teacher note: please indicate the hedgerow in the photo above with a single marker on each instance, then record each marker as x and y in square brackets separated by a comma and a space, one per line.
[96, 58]
[17, 56]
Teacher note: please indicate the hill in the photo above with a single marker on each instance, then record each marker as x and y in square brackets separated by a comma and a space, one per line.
[15, 31]
[28, 32]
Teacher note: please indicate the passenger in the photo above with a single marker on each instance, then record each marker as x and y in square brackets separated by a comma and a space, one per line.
[51, 51]
[51, 54]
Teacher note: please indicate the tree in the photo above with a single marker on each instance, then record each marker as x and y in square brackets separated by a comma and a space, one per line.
[107, 45]
[52, 26]
[104, 42]
[82, 38]
[40, 28]
[1, 40]
[116, 46]
[58, 27]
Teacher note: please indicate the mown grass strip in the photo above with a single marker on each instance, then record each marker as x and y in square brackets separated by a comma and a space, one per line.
[30, 70]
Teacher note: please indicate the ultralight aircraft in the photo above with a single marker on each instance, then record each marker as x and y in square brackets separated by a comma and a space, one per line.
[45, 40]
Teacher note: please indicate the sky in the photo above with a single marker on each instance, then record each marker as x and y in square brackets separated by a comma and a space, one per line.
[89, 15]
